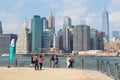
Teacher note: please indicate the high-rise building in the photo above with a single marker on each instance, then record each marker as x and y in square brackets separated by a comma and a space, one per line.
[1, 31]
[46, 39]
[66, 22]
[51, 20]
[81, 38]
[115, 34]
[37, 31]
[66, 26]
[45, 23]
[5, 40]
[105, 25]
[22, 44]
[93, 39]
[100, 41]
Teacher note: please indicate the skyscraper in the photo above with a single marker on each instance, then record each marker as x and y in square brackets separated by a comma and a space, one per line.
[22, 44]
[45, 23]
[105, 25]
[51, 21]
[81, 38]
[37, 31]
[66, 26]
[66, 22]
[1, 31]
[93, 39]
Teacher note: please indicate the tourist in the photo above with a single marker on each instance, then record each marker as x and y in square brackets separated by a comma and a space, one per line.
[32, 60]
[56, 61]
[36, 58]
[41, 61]
[71, 62]
[68, 61]
[52, 61]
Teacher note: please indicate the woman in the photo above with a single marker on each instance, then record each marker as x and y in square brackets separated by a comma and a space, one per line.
[41, 61]
[68, 61]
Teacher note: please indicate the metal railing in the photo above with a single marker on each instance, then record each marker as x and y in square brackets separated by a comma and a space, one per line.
[109, 68]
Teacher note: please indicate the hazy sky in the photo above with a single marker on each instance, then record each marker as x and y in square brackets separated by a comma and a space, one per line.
[13, 12]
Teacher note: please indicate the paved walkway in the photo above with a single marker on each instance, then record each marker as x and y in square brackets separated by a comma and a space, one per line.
[25, 73]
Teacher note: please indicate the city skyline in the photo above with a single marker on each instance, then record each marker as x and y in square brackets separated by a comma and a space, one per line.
[12, 16]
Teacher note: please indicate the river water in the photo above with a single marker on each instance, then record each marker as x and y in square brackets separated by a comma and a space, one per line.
[90, 62]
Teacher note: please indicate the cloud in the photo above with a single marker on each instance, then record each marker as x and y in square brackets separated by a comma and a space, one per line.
[115, 18]
[74, 9]
[11, 20]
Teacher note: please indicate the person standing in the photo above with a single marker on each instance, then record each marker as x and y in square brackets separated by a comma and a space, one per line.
[71, 62]
[36, 58]
[52, 61]
[41, 61]
[56, 61]
[68, 61]
[32, 60]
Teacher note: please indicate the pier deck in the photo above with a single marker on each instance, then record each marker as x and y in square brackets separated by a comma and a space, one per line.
[26, 73]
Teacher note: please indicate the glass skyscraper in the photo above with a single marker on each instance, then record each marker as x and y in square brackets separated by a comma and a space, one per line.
[105, 25]
[37, 31]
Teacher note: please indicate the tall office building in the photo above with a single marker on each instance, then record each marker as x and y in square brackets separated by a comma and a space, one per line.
[22, 44]
[46, 39]
[51, 27]
[100, 41]
[93, 39]
[61, 40]
[105, 25]
[45, 23]
[66, 26]
[51, 20]
[37, 31]
[115, 34]
[66, 22]
[1, 31]
[81, 38]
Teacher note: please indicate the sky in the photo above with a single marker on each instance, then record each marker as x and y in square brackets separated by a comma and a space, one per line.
[13, 12]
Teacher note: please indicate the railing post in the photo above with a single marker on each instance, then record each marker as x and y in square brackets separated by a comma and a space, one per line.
[15, 62]
[101, 66]
[116, 71]
[82, 63]
[98, 65]
[108, 68]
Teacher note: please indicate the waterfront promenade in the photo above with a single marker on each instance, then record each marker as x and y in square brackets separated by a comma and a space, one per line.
[26, 73]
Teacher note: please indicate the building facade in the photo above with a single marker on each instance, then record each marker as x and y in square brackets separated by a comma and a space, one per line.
[81, 38]
[5, 40]
[93, 39]
[22, 44]
[105, 25]
[37, 31]
[100, 41]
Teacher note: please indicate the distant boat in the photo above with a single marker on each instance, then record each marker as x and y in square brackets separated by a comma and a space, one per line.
[5, 55]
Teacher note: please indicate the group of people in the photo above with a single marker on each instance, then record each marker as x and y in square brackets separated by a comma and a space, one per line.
[37, 61]
[69, 61]
[54, 61]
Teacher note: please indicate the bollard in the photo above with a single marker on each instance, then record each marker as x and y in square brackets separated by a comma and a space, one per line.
[82, 63]
[108, 68]
[101, 66]
[97, 65]
[116, 71]
[15, 62]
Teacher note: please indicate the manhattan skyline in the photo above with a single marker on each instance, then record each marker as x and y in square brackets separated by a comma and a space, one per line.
[13, 13]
